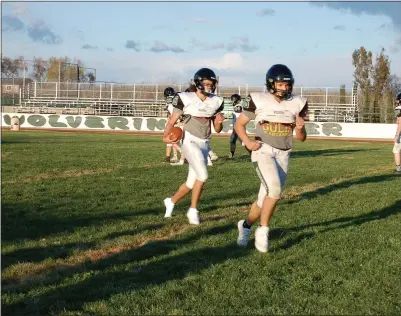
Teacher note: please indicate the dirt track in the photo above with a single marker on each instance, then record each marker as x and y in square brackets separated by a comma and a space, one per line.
[159, 134]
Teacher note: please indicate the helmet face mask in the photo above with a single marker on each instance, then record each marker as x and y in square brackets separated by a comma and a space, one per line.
[235, 98]
[168, 92]
[398, 99]
[205, 80]
[280, 81]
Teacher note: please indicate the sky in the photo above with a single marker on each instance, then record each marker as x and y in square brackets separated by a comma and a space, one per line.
[167, 42]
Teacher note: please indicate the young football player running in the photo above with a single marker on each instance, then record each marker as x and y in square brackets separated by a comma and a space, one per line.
[201, 109]
[277, 114]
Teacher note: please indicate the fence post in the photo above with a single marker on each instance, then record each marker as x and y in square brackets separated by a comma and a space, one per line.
[79, 85]
[111, 91]
[100, 91]
[134, 93]
[157, 90]
[301, 92]
[56, 90]
[327, 96]
[35, 90]
[20, 95]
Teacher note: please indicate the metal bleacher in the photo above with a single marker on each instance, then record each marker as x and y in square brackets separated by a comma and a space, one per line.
[141, 100]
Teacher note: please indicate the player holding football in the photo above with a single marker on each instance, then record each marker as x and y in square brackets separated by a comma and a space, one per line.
[277, 114]
[201, 109]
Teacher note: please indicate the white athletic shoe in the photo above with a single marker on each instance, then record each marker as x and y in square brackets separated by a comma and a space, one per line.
[243, 234]
[213, 156]
[262, 239]
[169, 207]
[209, 161]
[193, 216]
[178, 163]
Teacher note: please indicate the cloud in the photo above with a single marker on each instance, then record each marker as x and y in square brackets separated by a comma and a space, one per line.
[160, 47]
[266, 12]
[219, 45]
[328, 71]
[390, 9]
[20, 8]
[87, 46]
[12, 23]
[130, 44]
[205, 46]
[245, 45]
[39, 32]
[339, 28]
[238, 43]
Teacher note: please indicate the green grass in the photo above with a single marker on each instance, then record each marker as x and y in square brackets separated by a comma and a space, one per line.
[83, 231]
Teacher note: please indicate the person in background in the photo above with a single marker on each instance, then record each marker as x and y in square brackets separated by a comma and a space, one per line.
[397, 137]
[237, 109]
[168, 97]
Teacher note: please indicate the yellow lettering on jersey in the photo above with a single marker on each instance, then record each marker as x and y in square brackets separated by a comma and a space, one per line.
[277, 129]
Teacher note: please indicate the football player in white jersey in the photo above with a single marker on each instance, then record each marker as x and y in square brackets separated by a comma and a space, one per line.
[168, 97]
[277, 114]
[212, 156]
[200, 109]
[397, 137]
[237, 109]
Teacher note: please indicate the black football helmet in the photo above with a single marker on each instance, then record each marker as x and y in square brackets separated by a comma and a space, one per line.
[168, 92]
[279, 73]
[203, 74]
[398, 103]
[235, 98]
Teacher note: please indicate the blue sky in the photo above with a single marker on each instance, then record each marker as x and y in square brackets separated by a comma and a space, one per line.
[156, 42]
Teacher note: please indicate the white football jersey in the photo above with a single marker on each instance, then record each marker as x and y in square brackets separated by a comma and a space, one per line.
[194, 106]
[269, 109]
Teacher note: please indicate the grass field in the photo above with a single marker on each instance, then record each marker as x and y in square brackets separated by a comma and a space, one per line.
[83, 231]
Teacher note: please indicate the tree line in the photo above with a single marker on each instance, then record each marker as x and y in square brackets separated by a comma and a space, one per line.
[52, 70]
[372, 77]
[377, 86]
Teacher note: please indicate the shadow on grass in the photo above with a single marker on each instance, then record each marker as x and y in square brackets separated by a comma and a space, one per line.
[338, 223]
[62, 251]
[299, 154]
[123, 273]
[338, 186]
[28, 222]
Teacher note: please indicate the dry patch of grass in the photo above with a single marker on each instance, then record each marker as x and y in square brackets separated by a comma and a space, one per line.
[61, 175]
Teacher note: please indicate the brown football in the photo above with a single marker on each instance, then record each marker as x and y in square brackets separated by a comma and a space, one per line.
[176, 133]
